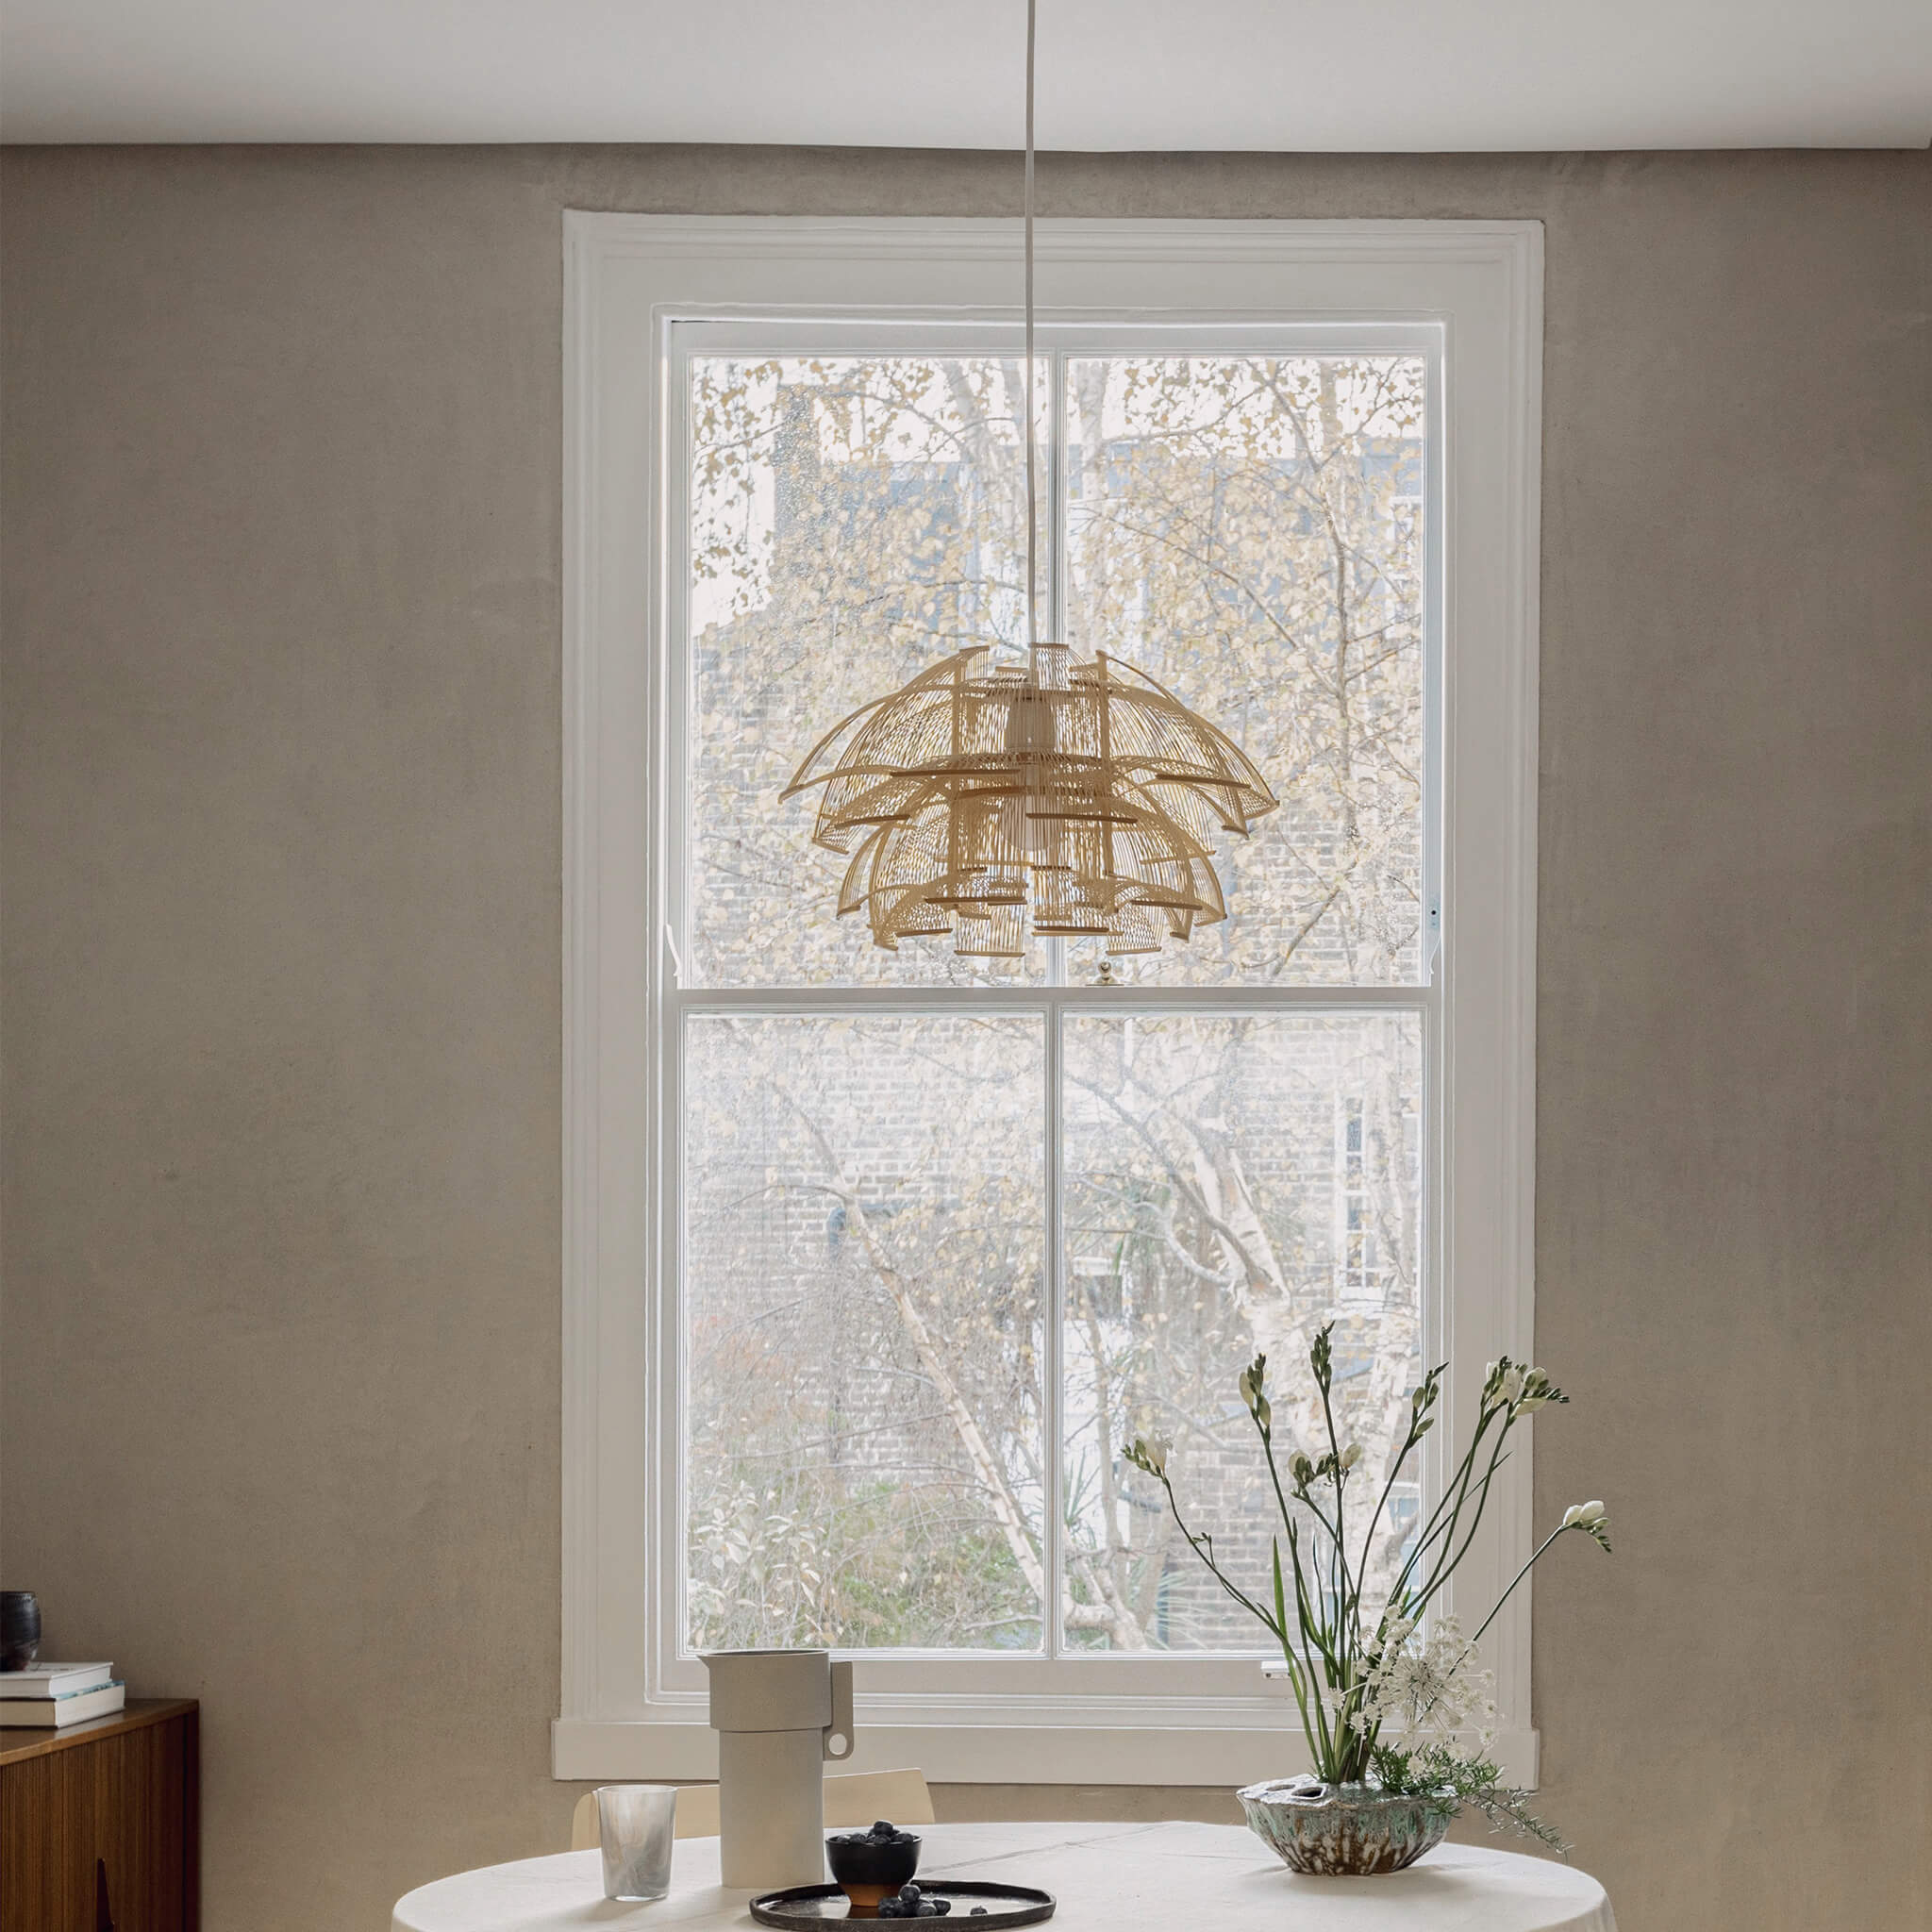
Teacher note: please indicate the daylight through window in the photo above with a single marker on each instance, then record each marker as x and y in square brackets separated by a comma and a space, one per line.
[951, 1229]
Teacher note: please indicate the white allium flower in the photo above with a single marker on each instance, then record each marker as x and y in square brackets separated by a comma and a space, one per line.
[1429, 1687]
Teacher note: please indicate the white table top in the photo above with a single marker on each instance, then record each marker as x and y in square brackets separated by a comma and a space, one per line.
[1123, 1877]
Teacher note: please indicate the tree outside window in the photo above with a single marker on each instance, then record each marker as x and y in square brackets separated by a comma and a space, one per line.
[870, 1387]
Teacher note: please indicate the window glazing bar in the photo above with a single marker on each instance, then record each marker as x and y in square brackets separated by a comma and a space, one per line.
[1042, 999]
[1053, 1501]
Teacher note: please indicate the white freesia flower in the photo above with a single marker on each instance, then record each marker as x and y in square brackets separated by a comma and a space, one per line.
[1493, 1378]
[1253, 1393]
[1156, 1450]
[1537, 1393]
[1351, 1455]
[1592, 1519]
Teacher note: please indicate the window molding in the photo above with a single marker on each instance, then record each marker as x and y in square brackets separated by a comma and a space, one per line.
[626, 278]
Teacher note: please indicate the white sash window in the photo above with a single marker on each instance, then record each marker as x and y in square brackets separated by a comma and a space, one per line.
[873, 1259]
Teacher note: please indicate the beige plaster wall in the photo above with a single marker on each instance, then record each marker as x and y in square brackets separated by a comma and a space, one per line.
[281, 1005]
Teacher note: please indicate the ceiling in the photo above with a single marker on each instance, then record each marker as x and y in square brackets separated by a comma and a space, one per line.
[1352, 75]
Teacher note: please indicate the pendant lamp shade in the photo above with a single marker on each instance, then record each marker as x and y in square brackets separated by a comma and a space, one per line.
[1068, 800]
[1074, 800]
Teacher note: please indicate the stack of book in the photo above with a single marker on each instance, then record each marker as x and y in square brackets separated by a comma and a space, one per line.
[54, 1694]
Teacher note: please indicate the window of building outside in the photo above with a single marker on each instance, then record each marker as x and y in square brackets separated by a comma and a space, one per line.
[935, 1233]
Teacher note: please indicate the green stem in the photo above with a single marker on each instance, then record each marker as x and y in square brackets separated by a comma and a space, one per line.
[1519, 1577]
[1338, 1568]
[1432, 1527]
[1454, 1502]
[1453, 1557]
[1314, 1628]
[1315, 1511]
[1381, 1504]
[1273, 1474]
[1247, 1603]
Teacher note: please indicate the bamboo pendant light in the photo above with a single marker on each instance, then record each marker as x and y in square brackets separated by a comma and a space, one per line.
[1066, 799]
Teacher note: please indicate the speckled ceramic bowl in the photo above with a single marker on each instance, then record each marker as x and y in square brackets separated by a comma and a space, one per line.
[1343, 1830]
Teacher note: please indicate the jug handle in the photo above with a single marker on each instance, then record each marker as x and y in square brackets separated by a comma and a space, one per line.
[840, 1725]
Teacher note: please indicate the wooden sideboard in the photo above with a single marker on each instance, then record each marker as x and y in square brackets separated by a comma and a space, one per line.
[100, 1824]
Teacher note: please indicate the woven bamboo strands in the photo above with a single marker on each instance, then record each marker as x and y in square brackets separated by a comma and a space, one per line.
[1070, 800]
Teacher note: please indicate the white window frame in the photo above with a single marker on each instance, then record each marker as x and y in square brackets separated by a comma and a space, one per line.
[1471, 290]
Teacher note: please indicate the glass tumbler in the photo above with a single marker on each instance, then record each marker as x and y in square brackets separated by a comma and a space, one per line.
[634, 1831]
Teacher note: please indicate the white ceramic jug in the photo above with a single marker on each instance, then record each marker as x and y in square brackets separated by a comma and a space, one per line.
[777, 1714]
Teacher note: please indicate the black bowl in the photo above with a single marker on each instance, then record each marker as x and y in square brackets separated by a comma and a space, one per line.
[867, 1868]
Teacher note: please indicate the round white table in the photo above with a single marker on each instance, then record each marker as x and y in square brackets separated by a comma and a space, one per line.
[1123, 1877]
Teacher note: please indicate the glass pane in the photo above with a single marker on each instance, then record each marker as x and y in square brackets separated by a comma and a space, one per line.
[1231, 1183]
[1248, 531]
[864, 1227]
[853, 521]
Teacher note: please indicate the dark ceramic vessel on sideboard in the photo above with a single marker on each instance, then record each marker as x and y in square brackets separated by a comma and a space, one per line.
[20, 1630]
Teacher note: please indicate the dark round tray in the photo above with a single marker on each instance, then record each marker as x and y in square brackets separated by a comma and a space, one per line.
[824, 1905]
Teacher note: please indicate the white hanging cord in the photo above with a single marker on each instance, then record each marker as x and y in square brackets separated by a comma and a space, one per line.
[1032, 488]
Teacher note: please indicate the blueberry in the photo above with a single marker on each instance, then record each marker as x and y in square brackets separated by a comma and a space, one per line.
[883, 1827]
[910, 1892]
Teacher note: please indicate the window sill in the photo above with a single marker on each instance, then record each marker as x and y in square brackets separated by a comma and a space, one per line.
[608, 1750]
